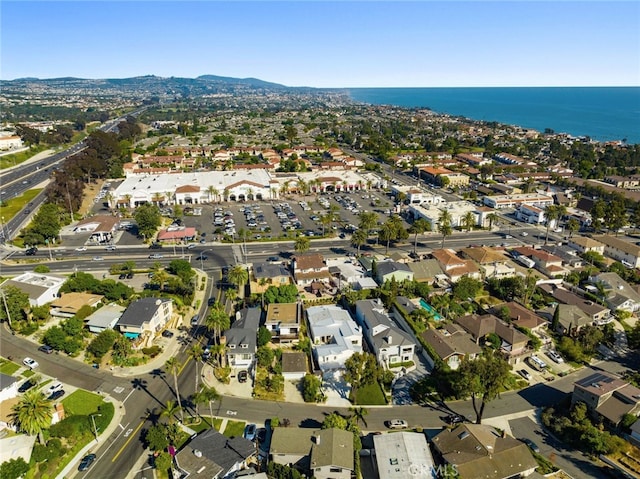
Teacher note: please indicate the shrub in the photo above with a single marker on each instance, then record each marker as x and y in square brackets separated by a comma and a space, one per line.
[152, 351]
[70, 426]
[52, 450]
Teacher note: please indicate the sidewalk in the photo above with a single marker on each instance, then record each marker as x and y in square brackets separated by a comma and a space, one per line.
[119, 412]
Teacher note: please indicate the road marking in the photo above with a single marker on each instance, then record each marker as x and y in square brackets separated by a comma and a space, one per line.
[125, 399]
[232, 413]
[131, 436]
[121, 426]
[118, 389]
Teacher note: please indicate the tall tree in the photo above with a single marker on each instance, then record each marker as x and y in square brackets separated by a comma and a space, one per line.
[368, 221]
[238, 275]
[552, 214]
[206, 395]
[33, 414]
[418, 227]
[469, 221]
[359, 413]
[358, 239]
[302, 244]
[170, 410]
[195, 352]
[444, 225]
[483, 379]
[217, 321]
[173, 367]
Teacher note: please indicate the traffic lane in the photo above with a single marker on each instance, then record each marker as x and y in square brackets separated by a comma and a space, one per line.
[571, 461]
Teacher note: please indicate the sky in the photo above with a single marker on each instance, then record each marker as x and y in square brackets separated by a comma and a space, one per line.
[341, 44]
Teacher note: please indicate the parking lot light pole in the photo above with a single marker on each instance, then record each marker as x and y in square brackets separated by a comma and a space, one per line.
[95, 430]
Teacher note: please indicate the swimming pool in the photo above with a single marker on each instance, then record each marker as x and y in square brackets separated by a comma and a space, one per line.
[428, 307]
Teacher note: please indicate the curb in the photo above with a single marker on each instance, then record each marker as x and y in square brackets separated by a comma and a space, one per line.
[70, 469]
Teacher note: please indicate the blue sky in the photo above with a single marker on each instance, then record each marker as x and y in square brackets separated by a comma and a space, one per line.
[328, 44]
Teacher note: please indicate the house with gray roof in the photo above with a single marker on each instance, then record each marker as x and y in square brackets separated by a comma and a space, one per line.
[619, 294]
[390, 344]
[571, 319]
[274, 274]
[241, 339]
[323, 453]
[402, 455]
[392, 269]
[617, 248]
[452, 344]
[478, 450]
[335, 336]
[212, 455]
[145, 316]
[595, 311]
[8, 387]
[426, 271]
[104, 318]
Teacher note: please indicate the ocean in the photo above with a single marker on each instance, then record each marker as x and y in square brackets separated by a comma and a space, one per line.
[602, 113]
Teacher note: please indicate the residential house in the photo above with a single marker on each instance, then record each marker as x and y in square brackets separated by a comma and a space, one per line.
[8, 387]
[294, 365]
[620, 250]
[635, 433]
[104, 318]
[321, 453]
[478, 450]
[520, 316]
[568, 255]
[455, 267]
[145, 316]
[583, 244]
[452, 344]
[513, 342]
[390, 344]
[402, 455]
[240, 339]
[595, 311]
[492, 262]
[619, 294]
[607, 396]
[544, 262]
[345, 272]
[571, 319]
[309, 268]
[436, 175]
[41, 288]
[426, 271]
[69, 304]
[269, 274]
[386, 270]
[283, 322]
[334, 335]
[212, 455]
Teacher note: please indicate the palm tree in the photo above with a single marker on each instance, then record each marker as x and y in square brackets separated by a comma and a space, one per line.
[173, 367]
[444, 225]
[469, 220]
[170, 409]
[359, 414]
[552, 214]
[263, 282]
[325, 220]
[206, 395]
[217, 321]
[195, 352]
[238, 275]
[386, 234]
[213, 192]
[33, 414]
[368, 221]
[302, 244]
[358, 239]
[418, 227]
[573, 225]
[160, 277]
[493, 218]
[302, 185]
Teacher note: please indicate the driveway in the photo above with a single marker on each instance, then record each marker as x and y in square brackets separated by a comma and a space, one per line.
[401, 386]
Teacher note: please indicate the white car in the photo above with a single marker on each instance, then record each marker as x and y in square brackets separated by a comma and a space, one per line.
[397, 424]
[81, 248]
[53, 388]
[554, 356]
[30, 363]
[524, 233]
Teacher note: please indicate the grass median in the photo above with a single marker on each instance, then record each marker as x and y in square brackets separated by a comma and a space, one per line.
[9, 208]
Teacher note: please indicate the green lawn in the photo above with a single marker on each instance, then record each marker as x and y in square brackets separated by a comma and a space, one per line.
[205, 424]
[371, 394]
[82, 403]
[234, 429]
[9, 208]
[8, 367]
[15, 159]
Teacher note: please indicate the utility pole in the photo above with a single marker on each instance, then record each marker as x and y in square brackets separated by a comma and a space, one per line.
[95, 430]
[6, 308]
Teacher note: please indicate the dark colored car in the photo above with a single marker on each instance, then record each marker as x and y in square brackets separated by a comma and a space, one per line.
[532, 445]
[86, 462]
[262, 435]
[202, 257]
[56, 395]
[26, 386]
[31, 251]
[122, 276]
[211, 301]
[454, 419]
[129, 275]
[155, 246]
[45, 349]
[243, 376]
[167, 334]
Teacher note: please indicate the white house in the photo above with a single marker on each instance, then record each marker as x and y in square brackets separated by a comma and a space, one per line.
[145, 316]
[334, 334]
[41, 288]
[104, 318]
[530, 214]
[8, 387]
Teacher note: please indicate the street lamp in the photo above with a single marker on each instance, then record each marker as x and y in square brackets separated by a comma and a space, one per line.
[95, 430]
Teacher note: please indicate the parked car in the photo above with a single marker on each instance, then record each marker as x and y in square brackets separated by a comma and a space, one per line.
[56, 395]
[273, 259]
[532, 445]
[555, 357]
[122, 276]
[525, 374]
[524, 233]
[243, 376]
[45, 349]
[250, 432]
[195, 319]
[53, 388]
[211, 302]
[130, 275]
[191, 246]
[454, 419]
[261, 435]
[86, 462]
[167, 334]
[30, 363]
[26, 386]
[397, 424]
